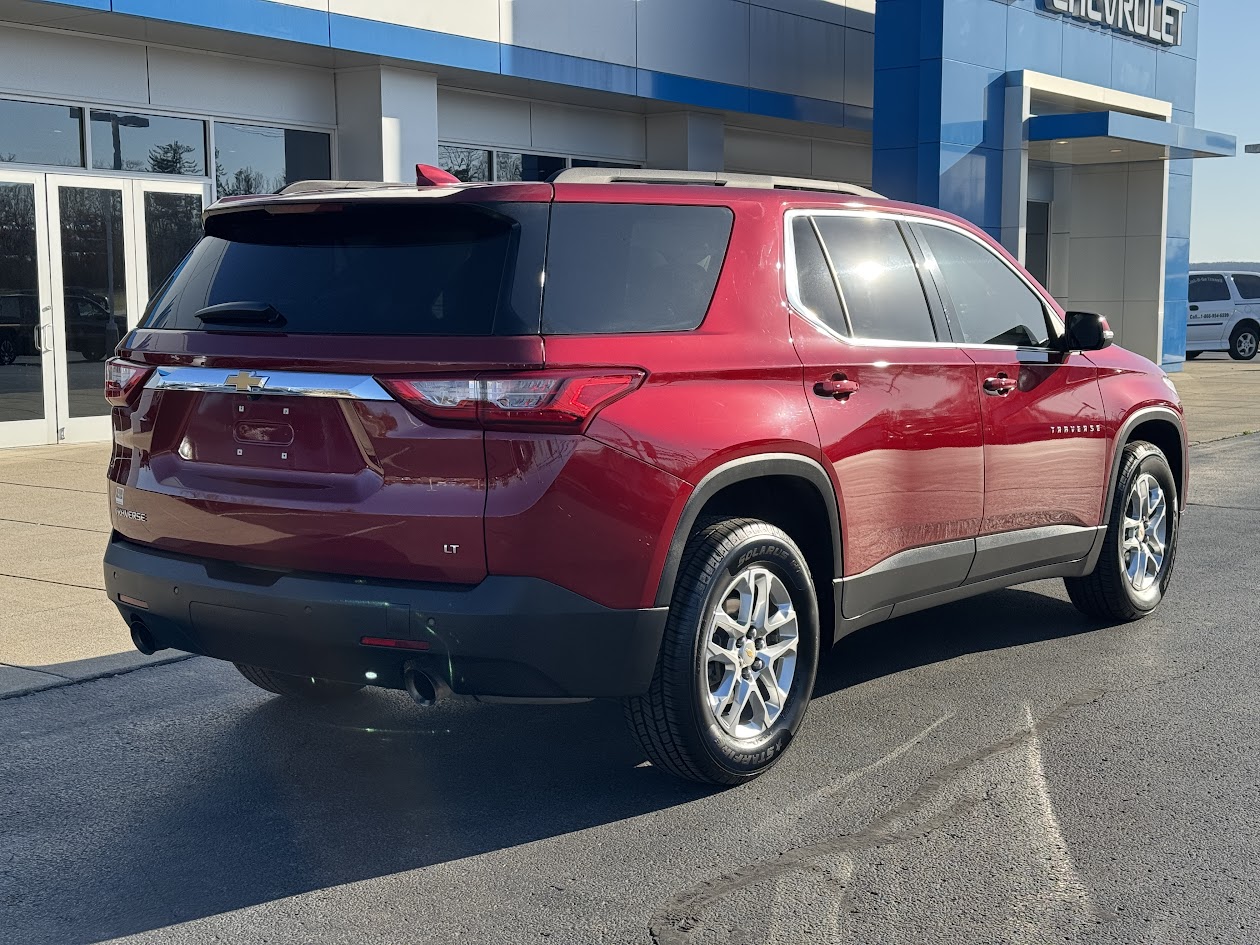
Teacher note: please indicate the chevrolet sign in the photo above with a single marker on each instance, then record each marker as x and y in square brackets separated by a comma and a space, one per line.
[1151, 20]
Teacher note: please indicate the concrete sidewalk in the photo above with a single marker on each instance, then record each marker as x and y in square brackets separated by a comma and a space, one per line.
[56, 624]
[57, 627]
[1222, 397]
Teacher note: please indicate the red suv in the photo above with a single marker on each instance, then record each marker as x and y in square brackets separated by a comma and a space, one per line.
[661, 437]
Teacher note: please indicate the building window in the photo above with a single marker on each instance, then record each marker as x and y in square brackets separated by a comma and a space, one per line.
[468, 164]
[31, 133]
[153, 144]
[510, 165]
[483, 164]
[253, 159]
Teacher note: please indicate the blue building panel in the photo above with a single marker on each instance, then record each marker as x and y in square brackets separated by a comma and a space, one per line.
[256, 17]
[958, 54]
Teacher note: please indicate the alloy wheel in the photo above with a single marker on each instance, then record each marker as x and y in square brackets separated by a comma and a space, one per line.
[1245, 345]
[1145, 542]
[749, 662]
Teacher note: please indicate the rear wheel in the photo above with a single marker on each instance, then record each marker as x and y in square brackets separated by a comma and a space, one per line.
[300, 687]
[1244, 341]
[1136, 563]
[8, 348]
[737, 664]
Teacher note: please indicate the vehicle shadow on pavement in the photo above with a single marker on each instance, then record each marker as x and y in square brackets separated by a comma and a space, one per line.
[994, 621]
[194, 794]
[219, 797]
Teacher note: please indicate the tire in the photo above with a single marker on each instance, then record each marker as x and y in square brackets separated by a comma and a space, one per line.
[298, 687]
[92, 353]
[1110, 592]
[730, 563]
[1244, 341]
[1191, 355]
[8, 348]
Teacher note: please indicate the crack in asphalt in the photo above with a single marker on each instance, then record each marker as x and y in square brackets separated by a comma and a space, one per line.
[680, 916]
[674, 923]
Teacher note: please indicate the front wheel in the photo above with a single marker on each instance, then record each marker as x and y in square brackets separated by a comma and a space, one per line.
[1244, 341]
[1136, 563]
[8, 348]
[737, 664]
[299, 687]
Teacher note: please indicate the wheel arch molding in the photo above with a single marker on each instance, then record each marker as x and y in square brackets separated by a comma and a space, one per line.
[802, 470]
[1161, 426]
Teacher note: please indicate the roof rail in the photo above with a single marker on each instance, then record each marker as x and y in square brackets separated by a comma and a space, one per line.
[328, 186]
[604, 175]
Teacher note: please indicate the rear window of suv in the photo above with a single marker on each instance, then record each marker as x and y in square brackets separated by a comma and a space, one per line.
[1248, 286]
[455, 269]
[614, 268]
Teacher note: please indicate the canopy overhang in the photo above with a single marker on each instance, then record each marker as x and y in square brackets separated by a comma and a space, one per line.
[1120, 137]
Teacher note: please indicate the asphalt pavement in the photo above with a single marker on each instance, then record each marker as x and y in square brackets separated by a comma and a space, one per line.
[998, 770]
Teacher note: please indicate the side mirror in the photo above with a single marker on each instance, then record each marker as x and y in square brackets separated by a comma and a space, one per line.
[1086, 331]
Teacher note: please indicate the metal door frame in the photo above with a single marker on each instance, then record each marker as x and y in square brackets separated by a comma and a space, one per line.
[42, 430]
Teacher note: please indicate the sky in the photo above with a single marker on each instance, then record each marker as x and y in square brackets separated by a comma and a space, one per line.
[1226, 221]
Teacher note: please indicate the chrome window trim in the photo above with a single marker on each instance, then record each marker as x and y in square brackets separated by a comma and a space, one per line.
[275, 383]
[794, 298]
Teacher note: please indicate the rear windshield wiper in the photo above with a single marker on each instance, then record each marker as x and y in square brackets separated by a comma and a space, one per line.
[241, 313]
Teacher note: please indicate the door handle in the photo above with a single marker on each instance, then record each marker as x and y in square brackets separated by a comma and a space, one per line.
[39, 338]
[1000, 386]
[837, 386]
[1194, 308]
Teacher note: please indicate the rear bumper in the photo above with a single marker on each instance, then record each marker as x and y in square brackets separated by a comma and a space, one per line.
[507, 636]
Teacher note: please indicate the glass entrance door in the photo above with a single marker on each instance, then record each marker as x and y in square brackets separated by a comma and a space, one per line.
[79, 257]
[94, 279]
[27, 388]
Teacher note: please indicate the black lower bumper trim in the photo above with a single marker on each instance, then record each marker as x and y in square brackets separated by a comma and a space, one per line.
[507, 636]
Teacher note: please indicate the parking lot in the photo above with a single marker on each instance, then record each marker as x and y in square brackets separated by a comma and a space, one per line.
[998, 770]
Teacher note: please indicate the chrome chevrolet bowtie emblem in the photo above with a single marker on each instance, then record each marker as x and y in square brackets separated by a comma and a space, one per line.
[245, 382]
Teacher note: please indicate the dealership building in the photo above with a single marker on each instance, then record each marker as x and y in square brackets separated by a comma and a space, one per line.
[1065, 128]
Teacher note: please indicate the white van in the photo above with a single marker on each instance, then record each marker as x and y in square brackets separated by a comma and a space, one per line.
[1224, 314]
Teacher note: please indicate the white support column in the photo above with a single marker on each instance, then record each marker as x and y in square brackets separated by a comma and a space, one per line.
[386, 123]
[686, 141]
[1015, 171]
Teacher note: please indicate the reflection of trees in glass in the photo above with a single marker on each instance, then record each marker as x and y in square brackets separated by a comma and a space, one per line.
[468, 164]
[172, 226]
[8, 157]
[508, 166]
[173, 159]
[93, 252]
[245, 180]
[18, 267]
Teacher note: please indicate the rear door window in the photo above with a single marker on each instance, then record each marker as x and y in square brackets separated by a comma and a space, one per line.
[455, 269]
[615, 268]
[879, 283]
[1208, 287]
[1248, 286]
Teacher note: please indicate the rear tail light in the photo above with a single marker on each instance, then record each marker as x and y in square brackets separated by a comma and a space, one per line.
[122, 380]
[542, 401]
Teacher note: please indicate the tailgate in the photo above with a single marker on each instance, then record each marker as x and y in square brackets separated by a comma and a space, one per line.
[261, 434]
